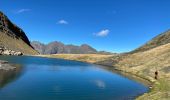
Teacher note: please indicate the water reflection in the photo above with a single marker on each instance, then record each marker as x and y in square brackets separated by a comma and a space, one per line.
[100, 83]
[51, 79]
[9, 76]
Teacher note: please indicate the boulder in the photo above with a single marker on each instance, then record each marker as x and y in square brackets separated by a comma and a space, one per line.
[4, 65]
[7, 52]
[12, 53]
[18, 53]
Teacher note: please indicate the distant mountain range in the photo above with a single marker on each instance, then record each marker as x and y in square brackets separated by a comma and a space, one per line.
[13, 39]
[60, 48]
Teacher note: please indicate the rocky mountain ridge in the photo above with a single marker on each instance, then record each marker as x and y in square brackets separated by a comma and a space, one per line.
[13, 38]
[60, 48]
[161, 39]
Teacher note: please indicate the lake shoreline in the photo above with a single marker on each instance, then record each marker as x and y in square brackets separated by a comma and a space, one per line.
[112, 85]
[149, 81]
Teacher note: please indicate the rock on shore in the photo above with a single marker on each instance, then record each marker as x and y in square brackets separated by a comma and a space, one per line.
[5, 51]
[4, 65]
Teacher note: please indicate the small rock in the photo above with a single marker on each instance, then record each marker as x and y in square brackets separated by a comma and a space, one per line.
[12, 52]
[3, 62]
[18, 53]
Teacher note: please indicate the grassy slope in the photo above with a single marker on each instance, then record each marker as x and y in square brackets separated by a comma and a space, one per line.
[142, 64]
[16, 44]
[159, 40]
[145, 64]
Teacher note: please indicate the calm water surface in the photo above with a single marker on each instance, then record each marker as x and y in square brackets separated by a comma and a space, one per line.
[54, 79]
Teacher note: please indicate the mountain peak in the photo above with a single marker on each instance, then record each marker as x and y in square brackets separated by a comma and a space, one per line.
[58, 47]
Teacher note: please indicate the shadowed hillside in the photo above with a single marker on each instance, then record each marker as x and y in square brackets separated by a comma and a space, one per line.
[13, 38]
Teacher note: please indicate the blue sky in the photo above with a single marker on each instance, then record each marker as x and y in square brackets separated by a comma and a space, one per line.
[111, 25]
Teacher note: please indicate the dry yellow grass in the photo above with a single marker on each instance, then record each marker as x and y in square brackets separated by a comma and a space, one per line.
[90, 58]
[149, 61]
[144, 64]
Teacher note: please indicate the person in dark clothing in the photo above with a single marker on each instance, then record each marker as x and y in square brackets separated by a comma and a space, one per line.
[156, 75]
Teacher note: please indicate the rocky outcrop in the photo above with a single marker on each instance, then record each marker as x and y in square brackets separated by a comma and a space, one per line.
[5, 51]
[60, 48]
[11, 29]
[13, 38]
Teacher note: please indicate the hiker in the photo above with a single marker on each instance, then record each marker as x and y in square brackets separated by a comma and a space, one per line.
[156, 75]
